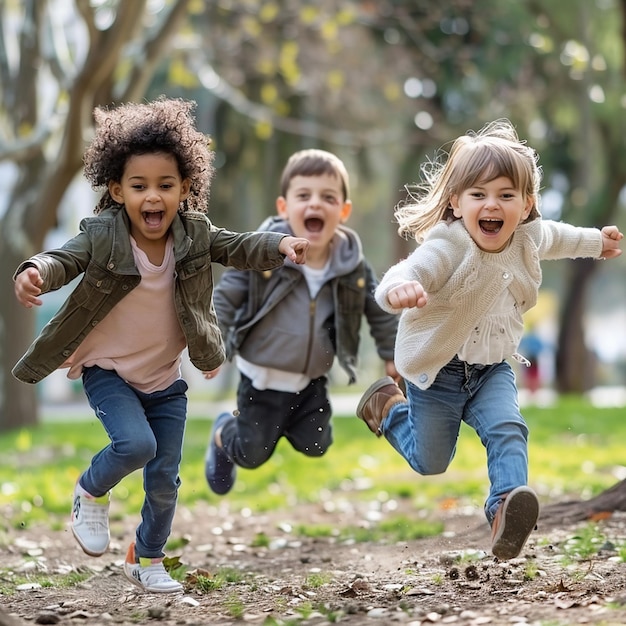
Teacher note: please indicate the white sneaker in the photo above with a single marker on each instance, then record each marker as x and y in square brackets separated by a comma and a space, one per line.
[90, 522]
[149, 574]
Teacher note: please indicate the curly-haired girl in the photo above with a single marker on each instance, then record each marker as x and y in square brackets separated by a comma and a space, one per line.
[145, 295]
[461, 295]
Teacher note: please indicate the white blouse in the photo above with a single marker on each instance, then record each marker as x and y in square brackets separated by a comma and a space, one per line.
[497, 335]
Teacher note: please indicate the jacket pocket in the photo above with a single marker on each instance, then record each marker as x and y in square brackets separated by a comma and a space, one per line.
[351, 298]
[95, 286]
[196, 279]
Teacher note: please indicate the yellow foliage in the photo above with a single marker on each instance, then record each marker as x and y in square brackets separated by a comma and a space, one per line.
[345, 16]
[329, 29]
[392, 92]
[541, 42]
[24, 129]
[335, 79]
[251, 26]
[289, 51]
[282, 108]
[24, 441]
[288, 62]
[545, 309]
[263, 130]
[196, 7]
[269, 93]
[291, 75]
[180, 75]
[309, 14]
[267, 67]
[123, 69]
[268, 12]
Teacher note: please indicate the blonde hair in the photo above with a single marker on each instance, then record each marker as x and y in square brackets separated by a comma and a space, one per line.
[482, 156]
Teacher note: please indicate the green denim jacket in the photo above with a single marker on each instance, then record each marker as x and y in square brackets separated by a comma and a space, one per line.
[102, 252]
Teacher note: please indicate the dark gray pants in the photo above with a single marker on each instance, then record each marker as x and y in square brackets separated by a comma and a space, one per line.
[264, 417]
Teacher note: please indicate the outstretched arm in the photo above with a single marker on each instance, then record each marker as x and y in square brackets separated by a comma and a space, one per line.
[611, 237]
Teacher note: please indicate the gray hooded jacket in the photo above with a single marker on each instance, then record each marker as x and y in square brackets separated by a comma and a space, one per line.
[270, 319]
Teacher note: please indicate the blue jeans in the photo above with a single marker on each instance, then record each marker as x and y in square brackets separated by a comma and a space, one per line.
[146, 431]
[426, 429]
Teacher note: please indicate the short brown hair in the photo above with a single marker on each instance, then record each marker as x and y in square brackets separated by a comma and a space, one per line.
[314, 162]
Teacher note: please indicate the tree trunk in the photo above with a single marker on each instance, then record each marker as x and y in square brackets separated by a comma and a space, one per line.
[32, 209]
[597, 508]
[18, 401]
[574, 363]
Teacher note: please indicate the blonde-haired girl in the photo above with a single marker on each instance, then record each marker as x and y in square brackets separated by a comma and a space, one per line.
[461, 296]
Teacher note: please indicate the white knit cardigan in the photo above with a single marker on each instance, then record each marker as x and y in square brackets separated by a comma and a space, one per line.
[463, 282]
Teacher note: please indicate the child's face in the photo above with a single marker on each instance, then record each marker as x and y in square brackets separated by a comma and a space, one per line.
[314, 206]
[151, 191]
[491, 211]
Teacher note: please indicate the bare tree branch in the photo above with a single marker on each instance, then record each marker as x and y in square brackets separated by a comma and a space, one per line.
[28, 74]
[87, 13]
[22, 150]
[144, 68]
[103, 58]
[302, 128]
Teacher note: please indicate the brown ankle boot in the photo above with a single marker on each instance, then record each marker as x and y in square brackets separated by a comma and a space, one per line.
[514, 521]
[377, 401]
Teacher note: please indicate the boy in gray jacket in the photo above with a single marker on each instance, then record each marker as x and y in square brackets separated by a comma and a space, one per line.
[286, 326]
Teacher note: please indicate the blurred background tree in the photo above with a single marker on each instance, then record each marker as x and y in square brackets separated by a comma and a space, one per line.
[382, 84]
[57, 62]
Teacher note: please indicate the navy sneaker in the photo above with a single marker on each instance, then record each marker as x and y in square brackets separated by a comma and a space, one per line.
[219, 469]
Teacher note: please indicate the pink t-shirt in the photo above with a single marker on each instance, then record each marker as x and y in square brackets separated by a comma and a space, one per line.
[141, 338]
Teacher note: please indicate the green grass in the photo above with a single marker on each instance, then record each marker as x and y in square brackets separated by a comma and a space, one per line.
[574, 450]
[9, 581]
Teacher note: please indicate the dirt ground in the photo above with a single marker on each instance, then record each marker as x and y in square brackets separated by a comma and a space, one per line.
[449, 579]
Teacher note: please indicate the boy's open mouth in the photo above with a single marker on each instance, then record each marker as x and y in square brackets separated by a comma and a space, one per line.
[314, 224]
[490, 226]
[153, 218]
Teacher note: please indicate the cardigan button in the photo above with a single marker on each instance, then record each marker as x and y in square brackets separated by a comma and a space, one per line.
[423, 378]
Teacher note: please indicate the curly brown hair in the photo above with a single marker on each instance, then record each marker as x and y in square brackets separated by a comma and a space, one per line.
[162, 126]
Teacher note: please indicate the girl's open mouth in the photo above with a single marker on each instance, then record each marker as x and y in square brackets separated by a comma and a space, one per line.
[491, 227]
[153, 218]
